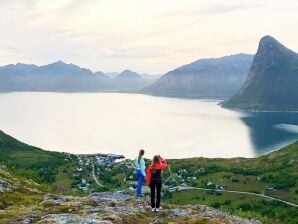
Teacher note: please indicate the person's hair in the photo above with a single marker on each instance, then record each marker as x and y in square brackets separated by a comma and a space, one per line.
[155, 160]
[141, 153]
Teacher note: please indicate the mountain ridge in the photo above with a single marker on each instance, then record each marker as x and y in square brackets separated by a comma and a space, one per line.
[213, 77]
[62, 77]
[271, 83]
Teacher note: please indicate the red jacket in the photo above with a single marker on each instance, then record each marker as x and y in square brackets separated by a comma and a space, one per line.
[160, 166]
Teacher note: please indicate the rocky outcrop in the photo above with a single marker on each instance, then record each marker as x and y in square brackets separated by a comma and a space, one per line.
[107, 207]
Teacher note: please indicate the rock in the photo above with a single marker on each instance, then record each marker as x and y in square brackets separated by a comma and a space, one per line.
[69, 218]
[6, 186]
[108, 197]
[110, 208]
[58, 199]
[179, 212]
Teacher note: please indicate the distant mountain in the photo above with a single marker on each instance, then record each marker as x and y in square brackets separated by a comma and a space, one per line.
[127, 74]
[130, 80]
[101, 73]
[144, 75]
[57, 76]
[215, 77]
[62, 77]
[272, 83]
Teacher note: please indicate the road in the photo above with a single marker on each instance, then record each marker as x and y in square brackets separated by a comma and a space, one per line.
[239, 192]
[95, 178]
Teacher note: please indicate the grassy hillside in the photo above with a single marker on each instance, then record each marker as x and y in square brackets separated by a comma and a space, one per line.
[274, 174]
[34, 163]
[277, 170]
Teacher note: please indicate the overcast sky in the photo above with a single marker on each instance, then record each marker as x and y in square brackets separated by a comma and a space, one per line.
[152, 36]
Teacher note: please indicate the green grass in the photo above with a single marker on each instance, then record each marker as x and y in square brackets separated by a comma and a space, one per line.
[278, 169]
[31, 162]
[242, 205]
[15, 204]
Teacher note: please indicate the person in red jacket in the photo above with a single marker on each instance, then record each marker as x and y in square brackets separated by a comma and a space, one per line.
[153, 179]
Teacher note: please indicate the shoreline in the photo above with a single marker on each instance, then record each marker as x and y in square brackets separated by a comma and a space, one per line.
[175, 96]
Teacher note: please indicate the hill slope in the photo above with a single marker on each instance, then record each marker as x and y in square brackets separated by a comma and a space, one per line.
[271, 84]
[31, 162]
[216, 77]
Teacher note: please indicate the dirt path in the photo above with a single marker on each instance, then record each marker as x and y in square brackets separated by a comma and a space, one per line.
[95, 178]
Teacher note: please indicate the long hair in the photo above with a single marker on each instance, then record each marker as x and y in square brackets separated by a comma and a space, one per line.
[141, 153]
[156, 160]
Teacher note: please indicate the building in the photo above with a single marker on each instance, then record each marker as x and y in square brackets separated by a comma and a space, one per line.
[209, 183]
[202, 170]
[221, 187]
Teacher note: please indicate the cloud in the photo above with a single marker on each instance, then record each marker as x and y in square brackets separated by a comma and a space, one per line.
[144, 35]
[212, 8]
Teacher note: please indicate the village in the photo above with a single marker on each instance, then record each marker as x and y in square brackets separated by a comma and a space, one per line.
[93, 168]
[100, 172]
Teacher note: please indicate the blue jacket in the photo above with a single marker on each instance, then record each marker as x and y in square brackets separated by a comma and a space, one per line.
[141, 165]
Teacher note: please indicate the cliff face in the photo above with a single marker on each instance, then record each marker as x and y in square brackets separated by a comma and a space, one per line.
[271, 84]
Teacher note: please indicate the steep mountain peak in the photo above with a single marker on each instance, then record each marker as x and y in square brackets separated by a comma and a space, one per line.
[267, 39]
[271, 84]
[271, 50]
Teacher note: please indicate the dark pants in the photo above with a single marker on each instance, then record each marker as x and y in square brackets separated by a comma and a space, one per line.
[155, 184]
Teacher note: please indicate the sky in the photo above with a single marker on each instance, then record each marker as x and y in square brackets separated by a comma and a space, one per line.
[147, 36]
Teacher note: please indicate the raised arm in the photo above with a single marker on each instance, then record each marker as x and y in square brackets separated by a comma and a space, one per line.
[163, 164]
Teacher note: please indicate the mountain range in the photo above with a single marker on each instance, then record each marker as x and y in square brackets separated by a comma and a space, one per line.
[62, 77]
[272, 82]
[215, 78]
[266, 81]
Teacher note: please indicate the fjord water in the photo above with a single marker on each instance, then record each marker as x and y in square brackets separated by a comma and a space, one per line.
[124, 123]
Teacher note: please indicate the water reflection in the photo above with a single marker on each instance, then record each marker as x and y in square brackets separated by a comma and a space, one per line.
[270, 130]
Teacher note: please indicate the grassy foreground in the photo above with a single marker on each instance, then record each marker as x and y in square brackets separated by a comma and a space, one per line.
[274, 174]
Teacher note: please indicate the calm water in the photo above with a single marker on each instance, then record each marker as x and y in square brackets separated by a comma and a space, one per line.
[124, 123]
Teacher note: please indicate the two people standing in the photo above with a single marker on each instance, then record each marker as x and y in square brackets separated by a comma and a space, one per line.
[153, 177]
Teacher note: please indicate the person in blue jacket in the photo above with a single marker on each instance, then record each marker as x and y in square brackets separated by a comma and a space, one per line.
[141, 171]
